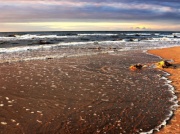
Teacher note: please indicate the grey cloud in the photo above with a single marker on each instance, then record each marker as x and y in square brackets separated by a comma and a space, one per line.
[137, 10]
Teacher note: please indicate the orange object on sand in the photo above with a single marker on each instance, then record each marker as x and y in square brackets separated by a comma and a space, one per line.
[135, 67]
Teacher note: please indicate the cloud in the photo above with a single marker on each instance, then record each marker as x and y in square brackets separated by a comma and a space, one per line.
[135, 11]
[66, 26]
[140, 28]
[40, 10]
[87, 26]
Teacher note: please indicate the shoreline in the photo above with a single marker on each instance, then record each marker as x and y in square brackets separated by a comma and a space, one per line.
[173, 126]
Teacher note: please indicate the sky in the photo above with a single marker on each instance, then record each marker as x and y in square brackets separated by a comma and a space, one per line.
[89, 15]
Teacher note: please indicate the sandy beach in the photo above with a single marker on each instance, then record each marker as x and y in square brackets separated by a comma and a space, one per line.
[89, 67]
[172, 53]
[87, 94]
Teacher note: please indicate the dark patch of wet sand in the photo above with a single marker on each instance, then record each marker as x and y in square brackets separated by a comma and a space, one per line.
[89, 94]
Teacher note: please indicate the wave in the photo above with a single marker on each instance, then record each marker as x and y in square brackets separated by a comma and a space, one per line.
[138, 34]
[31, 36]
[97, 34]
[176, 34]
[126, 37]
[164, 39]
[34, 36]
[168, 35]
[123, 44]
[157, 34]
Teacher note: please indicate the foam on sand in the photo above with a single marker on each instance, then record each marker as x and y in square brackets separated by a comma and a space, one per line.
[171, 53]
[173, 107]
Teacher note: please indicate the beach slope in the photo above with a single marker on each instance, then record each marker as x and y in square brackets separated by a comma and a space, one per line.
[172, 54]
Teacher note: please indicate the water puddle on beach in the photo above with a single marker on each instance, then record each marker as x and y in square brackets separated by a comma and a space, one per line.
[88, 94]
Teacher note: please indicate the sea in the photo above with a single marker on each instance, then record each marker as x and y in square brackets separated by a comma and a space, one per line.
[70, 42]
[25, 41]
[80, 82]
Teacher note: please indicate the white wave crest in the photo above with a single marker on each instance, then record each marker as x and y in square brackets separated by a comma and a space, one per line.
[97, 34]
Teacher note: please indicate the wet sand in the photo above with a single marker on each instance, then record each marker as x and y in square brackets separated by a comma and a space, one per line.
[172, 53]
[87, 94]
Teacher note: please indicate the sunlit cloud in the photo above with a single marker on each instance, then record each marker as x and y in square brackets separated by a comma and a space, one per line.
[71, 26]
[90, 26]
